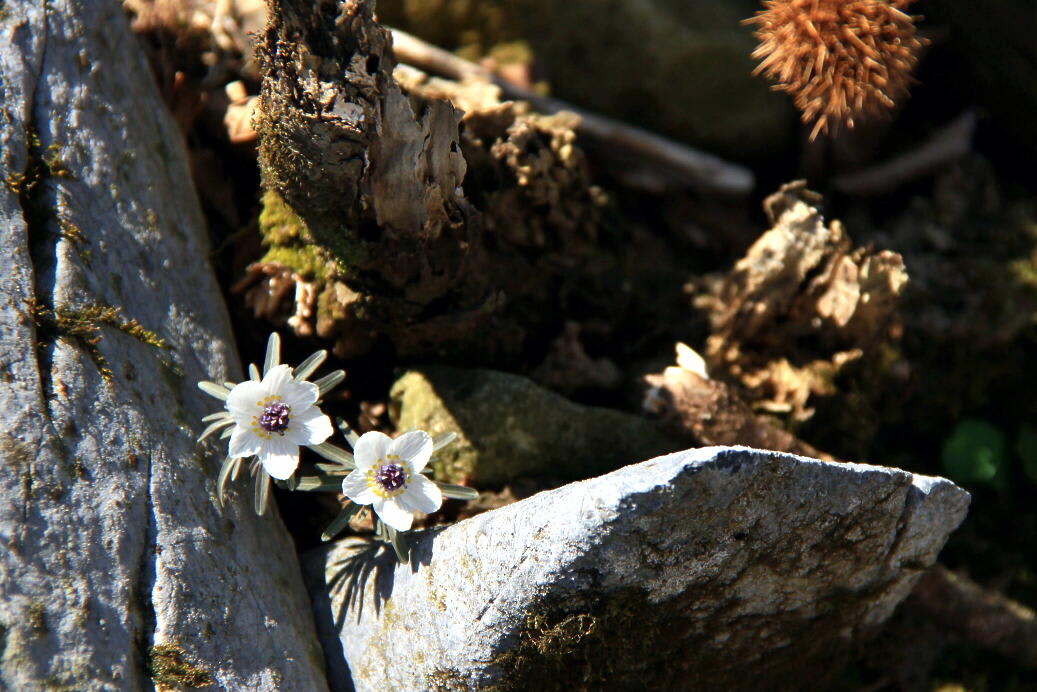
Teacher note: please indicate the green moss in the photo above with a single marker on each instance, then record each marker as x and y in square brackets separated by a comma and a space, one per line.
[509, 427]
[278, 223]
[167, 665]
[15, 451]
[83, 324]
[291, 243]
[54, 164]
[311, 262]
[36, 617]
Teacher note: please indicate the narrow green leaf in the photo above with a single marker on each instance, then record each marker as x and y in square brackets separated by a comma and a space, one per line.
[228, 471]
[213, 389]
[215, 416]
[214, 427]
[341, 521]
[457, 492]
[336, 454]
[348, 433]
[330, 381]
[262, 488]
[441, 441]
[307, 367]
[273, 352]
[332, 469]
[318, 484]
[399, 544]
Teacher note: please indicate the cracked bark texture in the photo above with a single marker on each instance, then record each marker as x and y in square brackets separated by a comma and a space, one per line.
[456, 235]
[709, 569]
[374, 181]
[116, 557]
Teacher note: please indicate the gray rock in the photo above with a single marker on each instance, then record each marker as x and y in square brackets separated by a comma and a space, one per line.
[508, 427]
[117, 565]
[709, 569]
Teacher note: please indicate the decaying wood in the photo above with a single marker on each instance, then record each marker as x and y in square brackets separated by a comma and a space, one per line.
[118, 569]
[372, 160]
[711, 413]
[980, 616]
[615, 141]
[800, 306]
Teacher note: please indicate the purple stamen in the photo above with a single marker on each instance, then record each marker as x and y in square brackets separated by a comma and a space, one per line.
[275, 418]
[391, 477]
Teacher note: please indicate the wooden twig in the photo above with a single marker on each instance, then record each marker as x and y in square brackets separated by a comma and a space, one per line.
[948, 144]
[978, 615]
[619, 141]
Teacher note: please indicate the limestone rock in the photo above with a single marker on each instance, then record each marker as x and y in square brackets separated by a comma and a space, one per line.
[509, 427]
[117, 565]
[716, 568]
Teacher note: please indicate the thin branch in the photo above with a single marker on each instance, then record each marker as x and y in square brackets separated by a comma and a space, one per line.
[620, 142]
[979, 615]
[948, 144]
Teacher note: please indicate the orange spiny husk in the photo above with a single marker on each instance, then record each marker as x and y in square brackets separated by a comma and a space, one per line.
[838, 58]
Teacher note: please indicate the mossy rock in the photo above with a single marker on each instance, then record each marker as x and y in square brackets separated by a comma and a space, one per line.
[508, 427]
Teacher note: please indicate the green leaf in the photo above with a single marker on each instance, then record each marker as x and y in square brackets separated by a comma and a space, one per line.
[213, 389]
[307, 367]
[319, 484]
[441, 441]
[213, 427]
[330, 381]
[348, 433]
[975, 454]
[457, 492]
[273, 352]
[340, 522]
[336, 454]
[399, 544]
[215, 416]
[228, 471]
[262, 488]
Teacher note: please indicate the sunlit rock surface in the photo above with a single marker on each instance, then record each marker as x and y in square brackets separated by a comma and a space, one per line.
[715, 568]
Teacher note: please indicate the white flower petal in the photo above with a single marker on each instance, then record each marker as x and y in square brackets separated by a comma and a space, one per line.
[370, 449]
[355, 487]
[244, 442]
[279, 466]
[391, 513]
[422, 494]
[299, 395]
[275, 380]
[309, 428]
[415, 447]
[241, 402]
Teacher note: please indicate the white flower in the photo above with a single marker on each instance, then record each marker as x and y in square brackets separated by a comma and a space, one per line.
[388, 476]
[273, 417]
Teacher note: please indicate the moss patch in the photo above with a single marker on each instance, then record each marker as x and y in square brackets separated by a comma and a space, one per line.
[36, 617]
[83, 324]
[167, 666]
[509, 427]
[290, 243]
